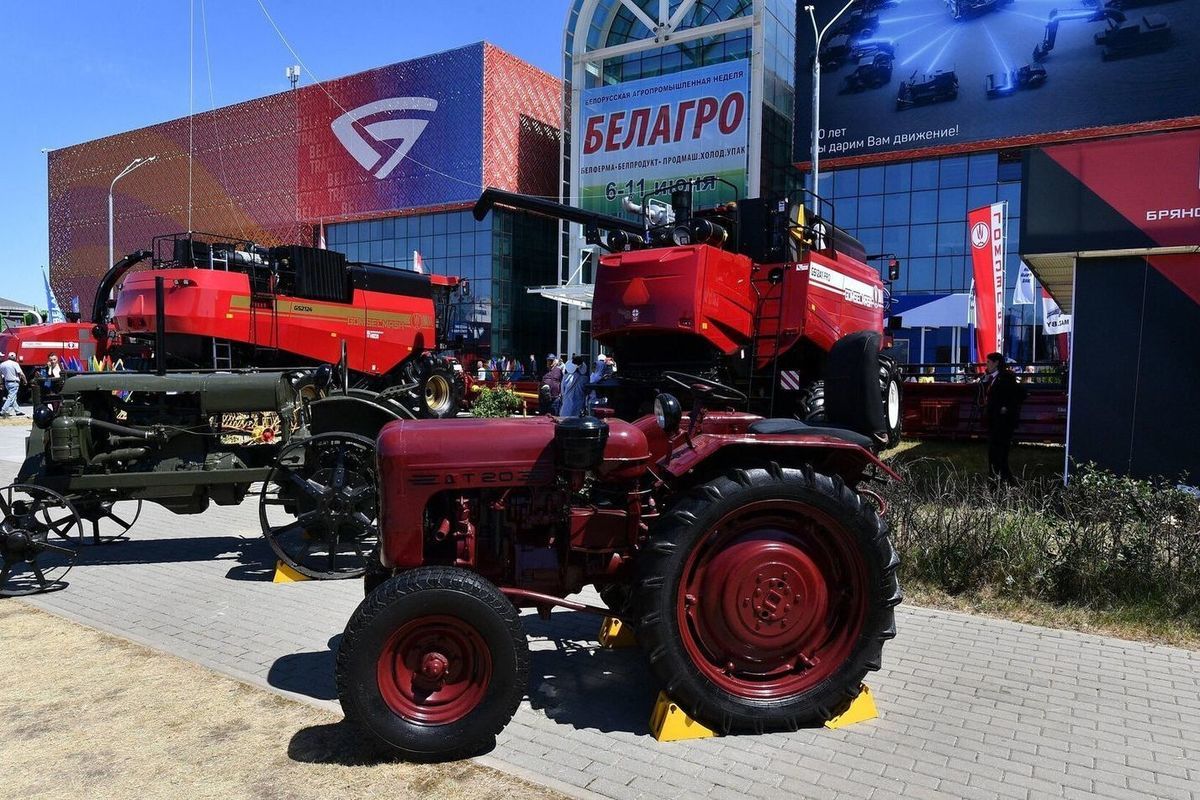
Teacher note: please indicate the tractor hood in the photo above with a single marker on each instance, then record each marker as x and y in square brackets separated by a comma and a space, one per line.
[419, 458]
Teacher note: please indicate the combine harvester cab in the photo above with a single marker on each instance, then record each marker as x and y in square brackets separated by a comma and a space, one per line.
[230, 304]
[754, 295]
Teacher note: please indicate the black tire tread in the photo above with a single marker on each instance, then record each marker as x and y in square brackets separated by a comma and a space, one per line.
[685, 684]
[402, 585]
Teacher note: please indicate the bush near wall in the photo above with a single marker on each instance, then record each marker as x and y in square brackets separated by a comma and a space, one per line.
[498, 402]
[1104, 540]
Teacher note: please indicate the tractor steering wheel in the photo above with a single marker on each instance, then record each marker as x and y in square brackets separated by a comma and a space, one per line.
[705, 389]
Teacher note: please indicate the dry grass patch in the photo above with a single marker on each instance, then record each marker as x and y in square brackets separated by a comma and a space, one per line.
[1143, 624]
[85, 714]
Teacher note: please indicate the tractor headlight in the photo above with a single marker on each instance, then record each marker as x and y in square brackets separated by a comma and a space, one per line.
[43, 415]
[668, 412]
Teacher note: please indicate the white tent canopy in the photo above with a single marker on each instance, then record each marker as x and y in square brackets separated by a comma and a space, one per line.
[945, 312]
[573, 294]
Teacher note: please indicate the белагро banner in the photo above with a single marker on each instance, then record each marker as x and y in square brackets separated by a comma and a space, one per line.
[645, 136]
[902, 78]
[985, 228]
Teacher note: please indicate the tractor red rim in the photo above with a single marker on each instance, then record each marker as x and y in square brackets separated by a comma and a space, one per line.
[773, 599]
[434, 670]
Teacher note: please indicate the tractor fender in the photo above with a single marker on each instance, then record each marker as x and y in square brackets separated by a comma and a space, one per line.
[715, 455]
[351, 413]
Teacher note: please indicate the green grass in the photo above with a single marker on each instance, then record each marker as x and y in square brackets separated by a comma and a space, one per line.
[1106, 554]
[1030, 461]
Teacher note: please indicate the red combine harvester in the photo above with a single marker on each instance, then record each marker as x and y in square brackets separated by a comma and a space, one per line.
[33, 344]
[229, 304]
[752, 294]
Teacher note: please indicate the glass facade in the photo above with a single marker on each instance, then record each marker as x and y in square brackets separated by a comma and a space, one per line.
[918, 211]
[498, 257]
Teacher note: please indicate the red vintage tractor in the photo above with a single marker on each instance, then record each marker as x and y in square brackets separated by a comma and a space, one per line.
[229, 304]
[753, 294]
[745, 552]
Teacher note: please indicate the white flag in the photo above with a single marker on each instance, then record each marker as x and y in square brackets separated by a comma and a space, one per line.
[1053, 318]
[418, 262]
[1024, 292]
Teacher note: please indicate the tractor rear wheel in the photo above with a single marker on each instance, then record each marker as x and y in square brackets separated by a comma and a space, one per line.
[765, 598]
[433, 664]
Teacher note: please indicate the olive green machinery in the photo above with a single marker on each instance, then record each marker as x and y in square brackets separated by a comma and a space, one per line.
[110, 441]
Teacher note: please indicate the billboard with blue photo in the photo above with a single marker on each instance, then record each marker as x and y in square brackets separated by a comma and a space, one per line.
[645, 136]
[904, 78]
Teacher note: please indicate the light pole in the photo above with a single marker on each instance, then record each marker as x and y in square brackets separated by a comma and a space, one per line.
[819, 34]
[137, 162]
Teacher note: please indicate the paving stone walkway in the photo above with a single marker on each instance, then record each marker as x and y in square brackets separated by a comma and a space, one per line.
[970, 707]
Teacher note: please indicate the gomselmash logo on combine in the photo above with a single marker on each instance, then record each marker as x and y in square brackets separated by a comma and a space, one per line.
[391, 138]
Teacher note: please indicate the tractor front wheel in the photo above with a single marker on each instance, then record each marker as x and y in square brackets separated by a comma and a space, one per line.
[765, 598]
[433, 664]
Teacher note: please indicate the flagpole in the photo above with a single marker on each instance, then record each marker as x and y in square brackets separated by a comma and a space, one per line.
[1033, 328]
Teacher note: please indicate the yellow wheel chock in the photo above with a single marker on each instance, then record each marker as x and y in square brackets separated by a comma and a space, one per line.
[670, 723]
[285, 574]
[615, 634]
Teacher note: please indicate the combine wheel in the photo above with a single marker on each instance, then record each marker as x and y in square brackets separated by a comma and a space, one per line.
[318, 506]
[810, 406]
[440, 392]
[433, 664]
[889, 387]
[36, 522]
[765, 598]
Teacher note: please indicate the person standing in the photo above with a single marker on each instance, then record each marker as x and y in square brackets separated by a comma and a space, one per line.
[13, 377]
[1002, 398]
[574, 382]
[601, 373]
[51, 382]
[552, 380]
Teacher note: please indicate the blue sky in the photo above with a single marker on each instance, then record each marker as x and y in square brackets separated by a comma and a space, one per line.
[75, 71]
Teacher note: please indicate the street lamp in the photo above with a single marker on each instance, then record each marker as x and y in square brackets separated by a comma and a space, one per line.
[819, 34]
[137, 162]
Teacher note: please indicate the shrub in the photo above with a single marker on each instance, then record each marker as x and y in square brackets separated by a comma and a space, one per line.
[498, 402]
[1103, 540]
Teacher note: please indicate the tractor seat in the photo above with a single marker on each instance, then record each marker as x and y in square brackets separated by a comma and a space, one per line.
[796, 427]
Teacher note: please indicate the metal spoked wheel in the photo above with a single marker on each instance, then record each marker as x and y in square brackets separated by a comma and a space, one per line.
[109, 520]
[35, 522]
[318, 506]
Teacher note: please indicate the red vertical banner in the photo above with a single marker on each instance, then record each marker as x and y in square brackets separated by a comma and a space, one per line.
[985, 229]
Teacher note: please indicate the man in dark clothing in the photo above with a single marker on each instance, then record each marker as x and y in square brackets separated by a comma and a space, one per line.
[1001, 400]
[553, 380]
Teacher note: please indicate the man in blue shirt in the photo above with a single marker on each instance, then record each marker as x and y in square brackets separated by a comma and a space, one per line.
[13, 377]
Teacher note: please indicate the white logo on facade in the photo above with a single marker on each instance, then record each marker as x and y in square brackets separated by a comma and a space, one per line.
[390, 139]
[981, 234]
